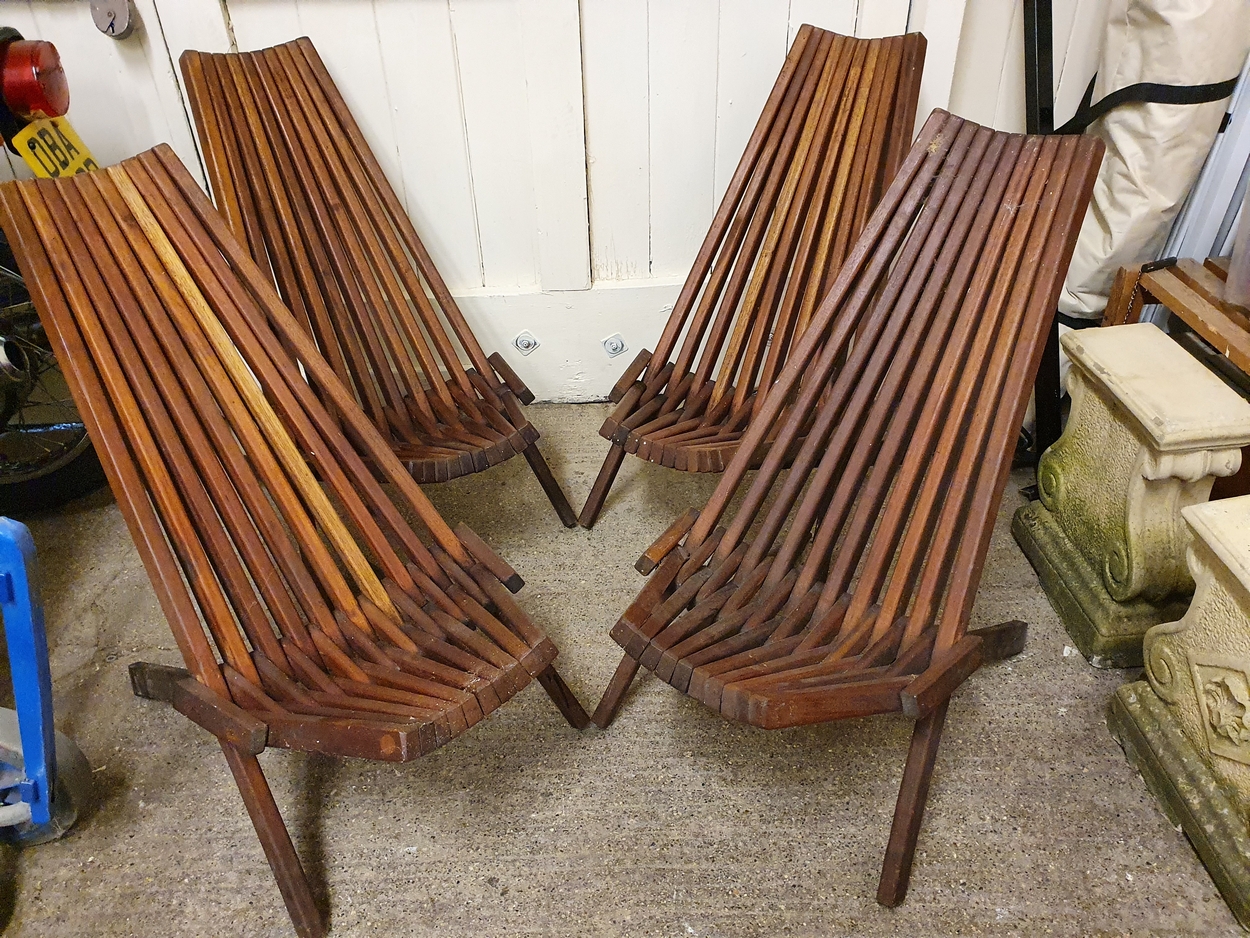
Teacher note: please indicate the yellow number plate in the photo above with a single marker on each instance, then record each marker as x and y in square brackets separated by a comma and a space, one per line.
[51, 148]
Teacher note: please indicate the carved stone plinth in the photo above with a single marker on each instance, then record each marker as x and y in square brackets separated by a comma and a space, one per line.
[1191, 795]
[1149, 431]
[1187, 728]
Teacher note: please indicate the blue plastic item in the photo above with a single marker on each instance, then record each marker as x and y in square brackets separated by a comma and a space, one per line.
[36, 801]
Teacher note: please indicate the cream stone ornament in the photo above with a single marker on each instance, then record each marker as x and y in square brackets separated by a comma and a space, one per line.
[1150, 430]
[1200, 665]
[1187, 727]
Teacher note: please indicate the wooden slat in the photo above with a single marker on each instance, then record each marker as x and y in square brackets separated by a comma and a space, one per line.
[843, 587]
[309, 612]
[296, 177]
[867, 553]
[822, 154]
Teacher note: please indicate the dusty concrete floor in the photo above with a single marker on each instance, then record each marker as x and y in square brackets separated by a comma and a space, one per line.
[672, 823]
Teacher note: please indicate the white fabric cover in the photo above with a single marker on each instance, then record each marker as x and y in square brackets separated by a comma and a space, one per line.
[1154, 151]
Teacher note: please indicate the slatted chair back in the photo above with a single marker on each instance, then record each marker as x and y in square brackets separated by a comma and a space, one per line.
[304, 604]
[844, 587]
[826, 145]
[297, 183]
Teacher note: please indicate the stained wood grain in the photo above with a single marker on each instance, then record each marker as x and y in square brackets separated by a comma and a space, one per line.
[824, 147]
[297, 179]
[837, 581]
[311, 615]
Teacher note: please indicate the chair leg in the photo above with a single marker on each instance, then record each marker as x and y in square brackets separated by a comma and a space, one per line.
[908, 813]
[599, 491]
[563, 697]
[610, 702]
[555, 494]
[274, 838]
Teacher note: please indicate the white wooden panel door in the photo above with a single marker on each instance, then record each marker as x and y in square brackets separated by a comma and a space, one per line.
[839, 15]
[941, 22]
[551, 42]
[682, 46]
[562, 159]
[419, 59]
[754, 39]
[618, 138]
[878, 18]
[491, 67]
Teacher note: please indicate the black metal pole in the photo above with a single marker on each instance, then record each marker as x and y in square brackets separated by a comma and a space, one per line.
[1039, 43]
[1039, 111]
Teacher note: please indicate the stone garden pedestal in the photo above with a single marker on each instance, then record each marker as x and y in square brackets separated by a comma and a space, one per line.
[1187, 727]
[1149, 431]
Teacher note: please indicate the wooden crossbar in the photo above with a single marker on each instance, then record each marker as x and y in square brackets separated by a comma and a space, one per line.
[298, 185]
[844, 586]
[828, 142]
[311, 614]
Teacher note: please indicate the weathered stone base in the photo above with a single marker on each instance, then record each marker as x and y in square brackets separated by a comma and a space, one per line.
[1190, 794]
[1107, 632]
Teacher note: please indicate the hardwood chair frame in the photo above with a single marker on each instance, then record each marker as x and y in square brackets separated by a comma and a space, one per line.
[310, 614]
[826, 145]
[844, 587]
[298, 184]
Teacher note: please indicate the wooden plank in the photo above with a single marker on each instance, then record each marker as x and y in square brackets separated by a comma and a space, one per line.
[564, 698]
[491, 70]
[982, 57]
[752, 46]
[219, 716]
[1003, 640]
[944, 674]
[551, 37]
[1209, 321]
[1207, 284]
[942, 23]
[279, 851]
[1124, 302]
[419, 57]
[909, 809]
[614, 55]
[155, 681]
[653, 555]
[682, 56]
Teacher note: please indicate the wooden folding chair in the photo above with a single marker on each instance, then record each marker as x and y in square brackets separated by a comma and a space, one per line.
[827, 144]
[843, 588]
[298, 184]
[267, 537]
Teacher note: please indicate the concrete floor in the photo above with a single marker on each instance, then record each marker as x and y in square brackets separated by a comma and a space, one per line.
[672, 823]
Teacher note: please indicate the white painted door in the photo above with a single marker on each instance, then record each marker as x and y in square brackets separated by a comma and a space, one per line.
[561, 158]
